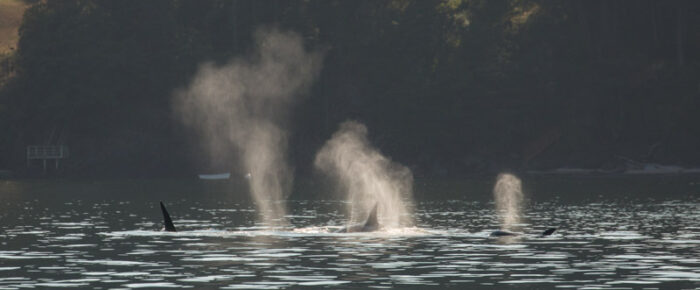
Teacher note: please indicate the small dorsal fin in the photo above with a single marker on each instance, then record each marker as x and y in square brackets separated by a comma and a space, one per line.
[372, 221]
[167, 222]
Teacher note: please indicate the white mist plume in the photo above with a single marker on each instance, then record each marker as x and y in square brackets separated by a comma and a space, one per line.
[367, 177]
[242, 107]
[508, 196]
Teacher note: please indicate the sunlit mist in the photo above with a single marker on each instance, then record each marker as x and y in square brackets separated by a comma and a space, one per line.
[366, 177]
[242, 106]
[508, 196]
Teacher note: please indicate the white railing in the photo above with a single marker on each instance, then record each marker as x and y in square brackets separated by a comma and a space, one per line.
[47, 152]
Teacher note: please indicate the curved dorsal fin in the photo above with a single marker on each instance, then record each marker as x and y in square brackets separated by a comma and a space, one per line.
[167, 222]
[372, 221]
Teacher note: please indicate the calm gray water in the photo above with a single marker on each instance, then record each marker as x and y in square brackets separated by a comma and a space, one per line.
[76, 236]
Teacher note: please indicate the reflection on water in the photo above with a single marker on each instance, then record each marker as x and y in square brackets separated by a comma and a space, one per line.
[110, 244]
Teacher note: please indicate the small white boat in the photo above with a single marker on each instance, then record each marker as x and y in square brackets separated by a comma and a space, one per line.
[226, 175]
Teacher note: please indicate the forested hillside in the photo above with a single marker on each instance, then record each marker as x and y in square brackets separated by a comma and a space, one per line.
[451, 87]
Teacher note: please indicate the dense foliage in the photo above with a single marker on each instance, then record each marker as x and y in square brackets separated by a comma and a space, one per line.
[445, 87]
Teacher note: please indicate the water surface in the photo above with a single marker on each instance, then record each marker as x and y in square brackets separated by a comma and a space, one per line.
[98, 240]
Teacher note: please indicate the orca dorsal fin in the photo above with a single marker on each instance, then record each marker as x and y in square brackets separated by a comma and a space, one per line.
[167, 222]
[372, 222]
[549, 231]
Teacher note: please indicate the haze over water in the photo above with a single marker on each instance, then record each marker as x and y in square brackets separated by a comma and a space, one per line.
[96, 237]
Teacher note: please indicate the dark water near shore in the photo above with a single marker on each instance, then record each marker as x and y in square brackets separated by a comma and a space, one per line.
[104, 235]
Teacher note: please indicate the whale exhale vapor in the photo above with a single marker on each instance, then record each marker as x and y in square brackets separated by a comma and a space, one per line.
[508, 198]
[378, 190]
[370, 182]
[240, 110]
[508, 195]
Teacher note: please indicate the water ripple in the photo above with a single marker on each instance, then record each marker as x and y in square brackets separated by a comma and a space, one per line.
[597, 246]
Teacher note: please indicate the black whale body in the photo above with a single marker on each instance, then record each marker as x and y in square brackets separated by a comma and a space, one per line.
[502, 233]
[370, 225]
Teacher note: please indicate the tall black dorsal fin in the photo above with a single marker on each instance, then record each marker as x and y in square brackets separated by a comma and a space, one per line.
[372, 223]
[549, 231]
[167, 222]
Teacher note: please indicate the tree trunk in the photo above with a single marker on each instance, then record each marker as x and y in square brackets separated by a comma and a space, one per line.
[654, 25]
[679, 32]
[585, 28]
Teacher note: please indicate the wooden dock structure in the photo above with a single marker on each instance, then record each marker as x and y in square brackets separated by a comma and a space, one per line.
[45, 153]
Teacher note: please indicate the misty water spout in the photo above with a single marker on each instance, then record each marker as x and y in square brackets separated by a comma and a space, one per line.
[508, 197]
[366, 177]
[240, 110]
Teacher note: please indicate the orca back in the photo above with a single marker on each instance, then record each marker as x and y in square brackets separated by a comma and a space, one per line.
[549, 231]
[501, 233]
